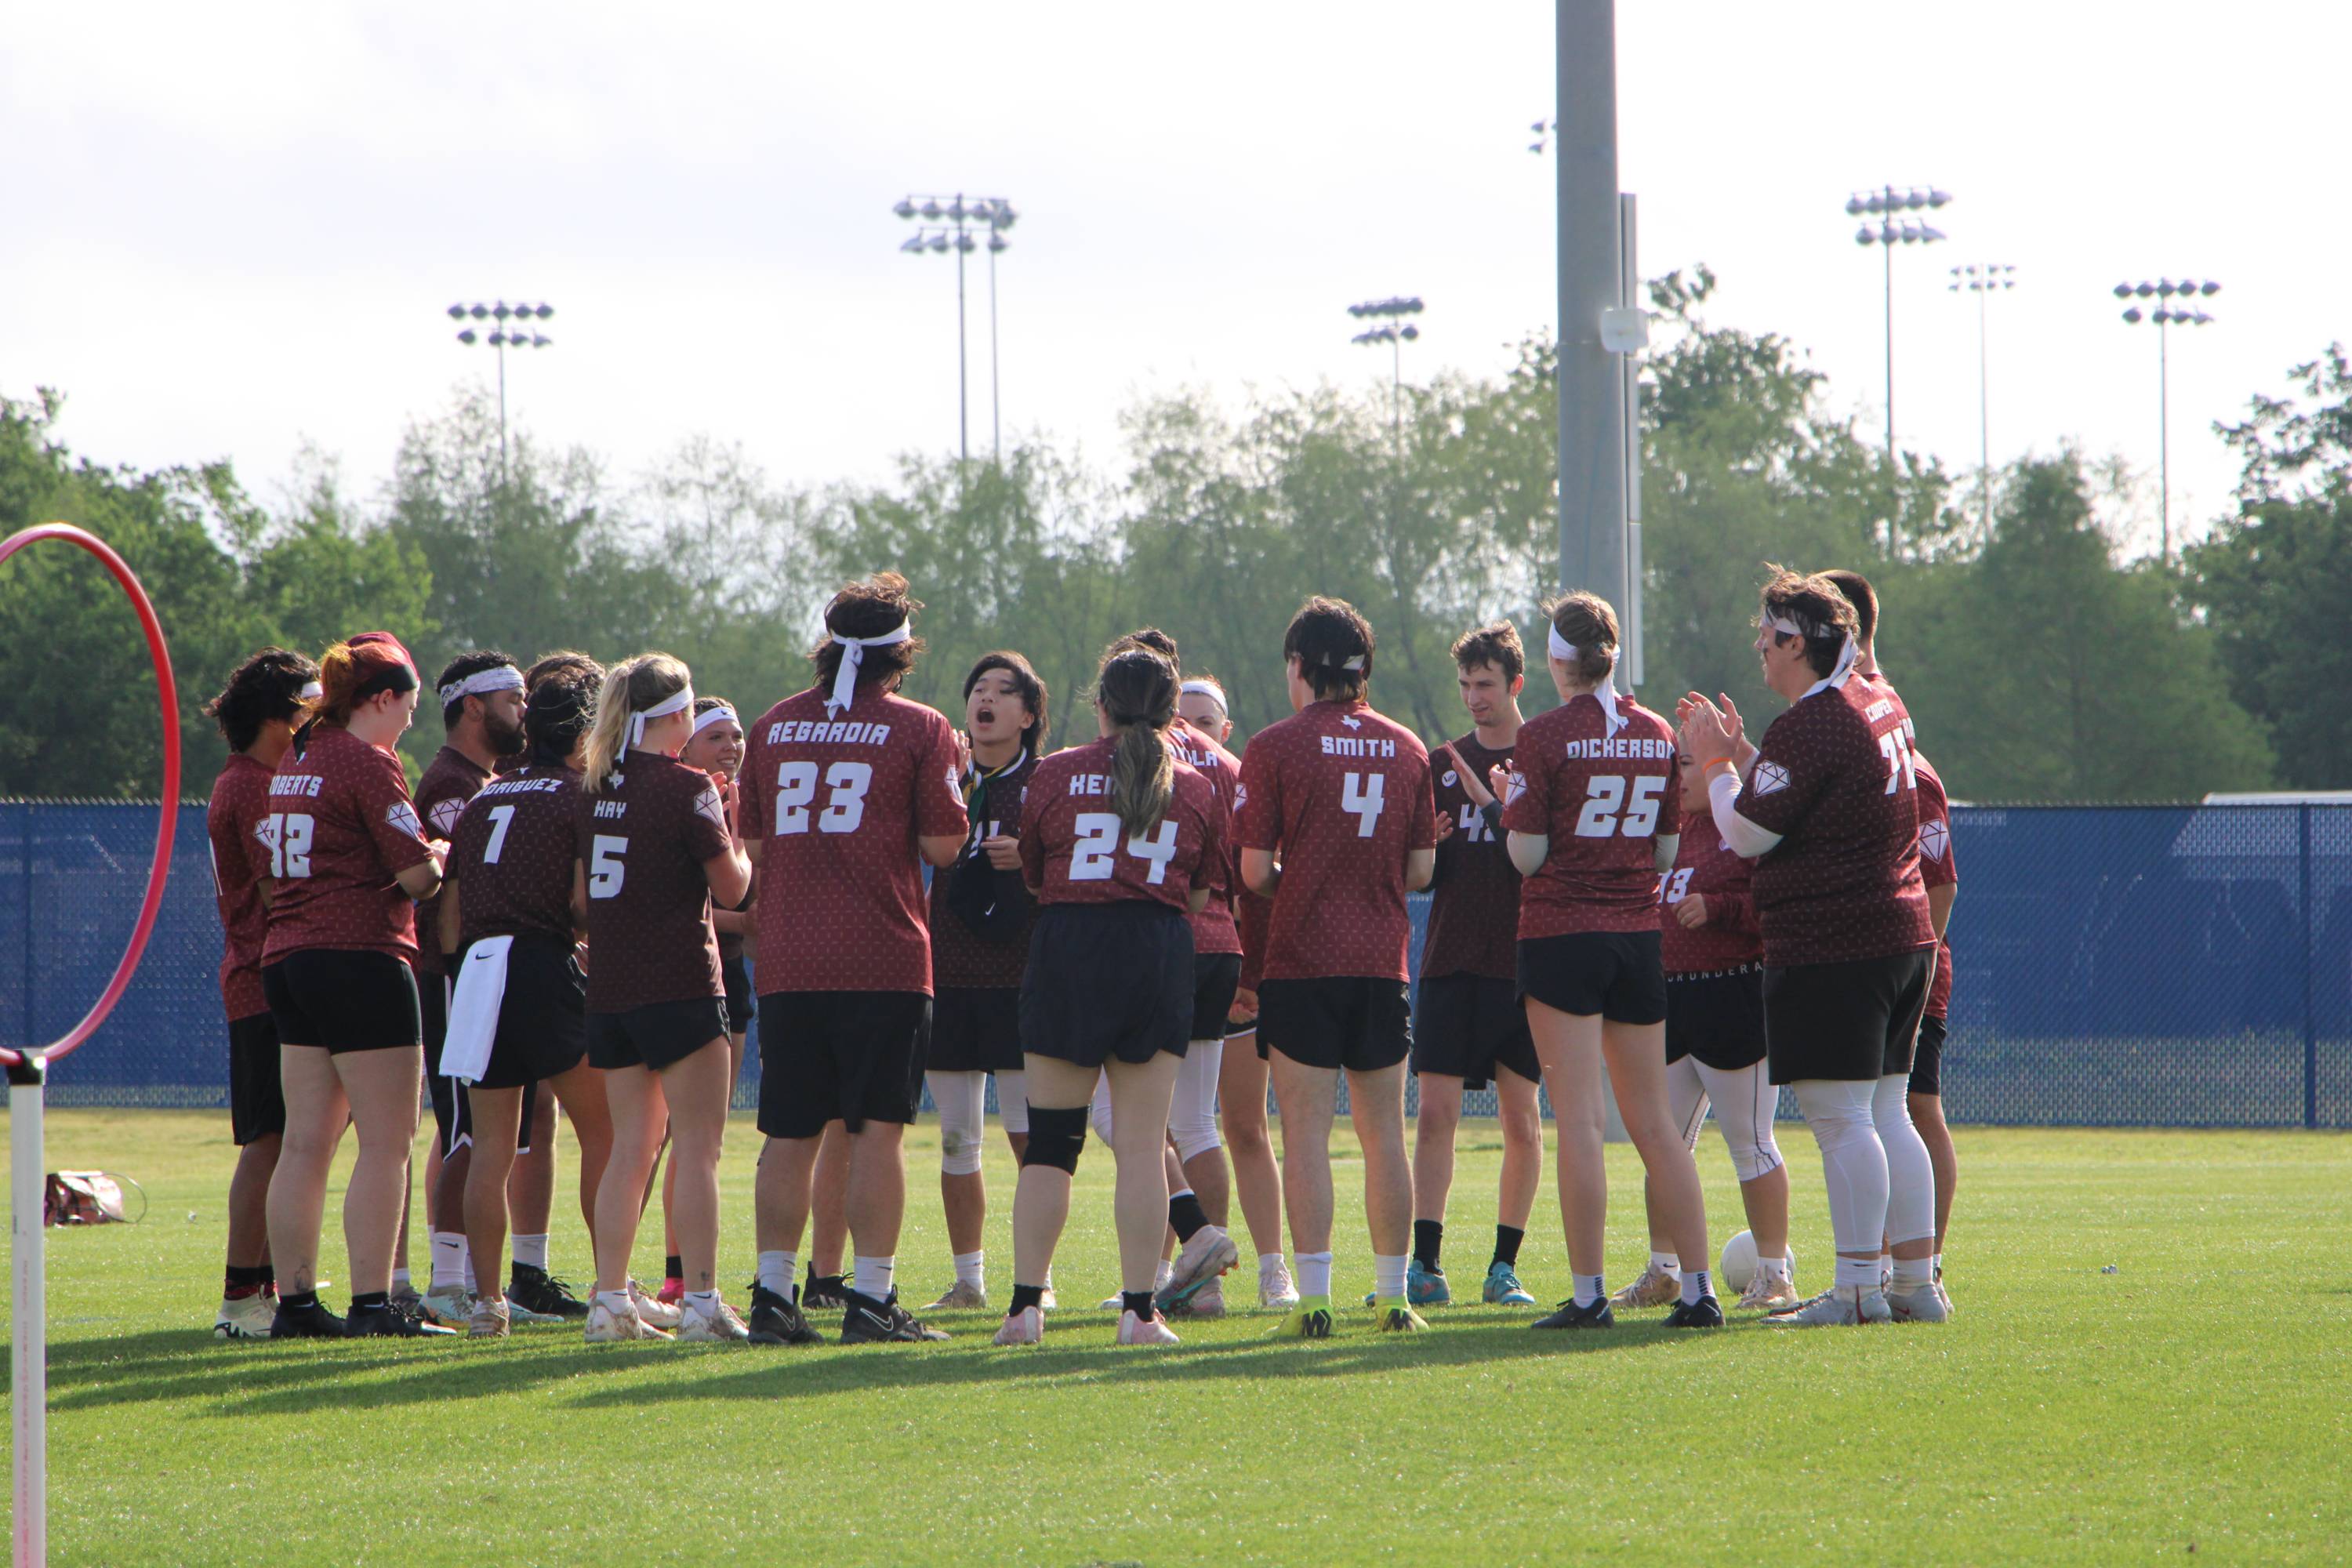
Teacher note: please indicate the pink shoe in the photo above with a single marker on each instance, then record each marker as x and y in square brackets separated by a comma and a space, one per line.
[1025, 1327]
[1151, 1331]
[672, 1292]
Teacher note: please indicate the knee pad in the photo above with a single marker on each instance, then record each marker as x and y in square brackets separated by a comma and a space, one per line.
[1056, 1136]
[1192, 1112]
[960, 1096]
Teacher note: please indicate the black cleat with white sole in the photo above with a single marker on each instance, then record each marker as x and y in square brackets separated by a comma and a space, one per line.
[311, 1322]
[866, 1321]
[822, 1292]
[1571, 1316]
[391, 1322]
[776, 1322]
[1706, 1313]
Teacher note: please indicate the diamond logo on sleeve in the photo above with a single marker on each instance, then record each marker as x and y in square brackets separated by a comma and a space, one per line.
[1770, 779]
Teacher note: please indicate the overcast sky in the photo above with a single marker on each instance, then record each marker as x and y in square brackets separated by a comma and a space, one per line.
[231, 230]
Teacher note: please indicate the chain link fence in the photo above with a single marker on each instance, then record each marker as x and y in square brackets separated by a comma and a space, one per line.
[2157, 966]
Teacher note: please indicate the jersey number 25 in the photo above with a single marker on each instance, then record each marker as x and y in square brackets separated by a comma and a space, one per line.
[1604, 799]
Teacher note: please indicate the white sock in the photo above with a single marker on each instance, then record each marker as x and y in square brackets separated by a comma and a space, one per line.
[875, 1275]
[1269, 1263]
[471, 1286]
[705, 1302]
[1589, 1289]
[400, 1280]
[1913, 1273]
[615, 1301]
[971, 1268]
[1696, 1285]
[1777, 1267]
[1938, 1262]
[1859, 1272]
[1315, 1274]
[1388, 1276]
[530, 1251]
[778, 1272]
[448, 1260]
[1665, 1262]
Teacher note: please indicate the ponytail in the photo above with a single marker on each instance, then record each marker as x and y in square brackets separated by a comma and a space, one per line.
[1138, 690]
[352, 671]
[630, 688]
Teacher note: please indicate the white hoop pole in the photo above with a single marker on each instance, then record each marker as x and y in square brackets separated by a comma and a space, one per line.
[27, 1191]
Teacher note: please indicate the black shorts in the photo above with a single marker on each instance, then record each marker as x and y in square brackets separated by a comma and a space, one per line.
[1927, 1058]
[1215, 977]
[1465, 1025]
[975, 1028]
[735, 970]
[256, 1099]
[1615, 974]
[841, 1055]
[453, 1114]
[542, 1019]
[1848, 1022]
[1108, 979]
[657, 1034]
[343, 1001]
[1348, 1021]
[1716, 1015]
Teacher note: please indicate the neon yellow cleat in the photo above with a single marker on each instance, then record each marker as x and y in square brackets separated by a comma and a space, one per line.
[1397, 1317]
[1311, 1320]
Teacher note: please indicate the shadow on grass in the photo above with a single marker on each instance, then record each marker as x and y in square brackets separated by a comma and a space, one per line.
[169, 1366]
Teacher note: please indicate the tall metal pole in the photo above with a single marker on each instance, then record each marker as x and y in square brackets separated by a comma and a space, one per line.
[502, 412]
[1984, 409]
[1592, 405]
[1396, 393]
[995, 385]
[963, 406]
[2163, 445]
[1890, 364]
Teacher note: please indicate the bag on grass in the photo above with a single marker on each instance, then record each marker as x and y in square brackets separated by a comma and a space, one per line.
[88, 1197]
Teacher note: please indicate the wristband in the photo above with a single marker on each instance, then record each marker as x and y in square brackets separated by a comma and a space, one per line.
[1491, 814]
[1711, 761]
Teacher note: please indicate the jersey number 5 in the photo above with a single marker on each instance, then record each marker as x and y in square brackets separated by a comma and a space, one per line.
[604, 868]
[1090, 858]
[797, 791]
[1604, 798]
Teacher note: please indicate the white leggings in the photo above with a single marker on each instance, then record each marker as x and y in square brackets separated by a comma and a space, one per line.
[1881, 1187]
[1192, 1112]
[962, 1100]
[1744, 1102]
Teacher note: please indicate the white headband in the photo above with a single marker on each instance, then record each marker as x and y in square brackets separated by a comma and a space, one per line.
[722, 714]
[676, 702]
[852, 654]
[1208, 689]
[1845, 658]
[482, 682]
[312, 691]
[1606, 692]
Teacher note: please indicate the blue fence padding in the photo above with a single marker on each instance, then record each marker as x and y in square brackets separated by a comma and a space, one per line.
[2176, 966]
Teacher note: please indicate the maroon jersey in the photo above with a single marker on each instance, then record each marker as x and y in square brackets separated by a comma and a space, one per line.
[643, 841]
[1600, 799]
[1474, 905]
[961, 956]
[1341, 794]
[1214, 928]
[232, 821]
[1836, 779]
[1706, 867]
[448, 782]
[1073, 849]
[1886, 689]
[840, 800]
[339, 829]
[1938, 868]
[512, 854]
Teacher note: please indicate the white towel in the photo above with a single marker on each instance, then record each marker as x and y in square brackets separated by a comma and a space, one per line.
[474, 1011]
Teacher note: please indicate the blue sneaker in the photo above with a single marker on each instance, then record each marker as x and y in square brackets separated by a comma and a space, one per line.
[1502, 1287]
[1422, 1287]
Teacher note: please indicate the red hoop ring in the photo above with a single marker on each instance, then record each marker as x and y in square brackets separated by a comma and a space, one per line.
[159, 869]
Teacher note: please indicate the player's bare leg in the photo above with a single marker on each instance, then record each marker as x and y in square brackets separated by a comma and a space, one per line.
[1257, 1177]
[1306, 1096]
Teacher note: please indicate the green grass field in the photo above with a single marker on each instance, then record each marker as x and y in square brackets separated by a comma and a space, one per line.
[2194, 1401]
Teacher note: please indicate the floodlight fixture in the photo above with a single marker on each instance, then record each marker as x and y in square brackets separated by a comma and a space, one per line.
[503, 338]
[2165, 316]
[961, 220]
[1885, 201]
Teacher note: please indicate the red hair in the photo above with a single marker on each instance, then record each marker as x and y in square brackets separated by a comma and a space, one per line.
[356, 670]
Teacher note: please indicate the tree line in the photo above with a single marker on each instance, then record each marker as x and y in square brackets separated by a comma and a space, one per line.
[2042, 663]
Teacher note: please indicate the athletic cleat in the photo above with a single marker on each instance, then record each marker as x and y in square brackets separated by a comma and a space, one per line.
[776, 1322]
[1706, 1313]
[1151, 1331]
[1770, 1292]
[672, 1292]
[489, 1321]
[1945, 1296]
[960, 1297]
[1205, 1257]
[1208, 1301]
[450, 1306]
[390, 1322]
[1571, 1316]
[654, 1314]
[823, 1292]
[865, 1321]
[1422, 1287]
[607, 1327]
[1048, 1301]
[311, 1322]
[1275, 1289]
[1655, 1288]
[1846, 1306]
[1311, 1320]
[1503, 1288]
[1925, 1305]
[1025, 1327]
[405, 1301]
[540, 1296]
[245, 1318]
[1399, 1318]
[719, 1326]
[522, 1317]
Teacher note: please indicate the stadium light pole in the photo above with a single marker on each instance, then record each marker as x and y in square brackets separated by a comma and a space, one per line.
[1983, 279]
[1593, 467]
[1395, 331]
[514, 329]
[2166, 314]
[1885, 205]
[953, 220]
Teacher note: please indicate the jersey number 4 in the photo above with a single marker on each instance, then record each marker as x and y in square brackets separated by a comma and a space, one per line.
[1090, 857]
[1361, 792]
[797, 791]
[287, 834]
[1608, 814]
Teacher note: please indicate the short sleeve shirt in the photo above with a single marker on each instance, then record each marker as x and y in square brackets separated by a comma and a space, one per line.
[839, 801]
[1075, 850]
[961, 956]
[448, 782]
[1600, 799]
[1706, 867]
[512, 854]
[643, 841]
[340, 829]
[233, 822]
[1938, 868]
[1214, 930]
[1473, 909]
[1341, 794]
[1835, 779]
